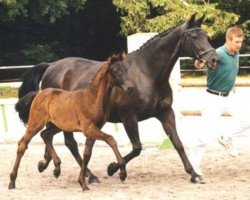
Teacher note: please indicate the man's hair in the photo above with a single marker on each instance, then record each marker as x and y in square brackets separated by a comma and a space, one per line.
[234, 32]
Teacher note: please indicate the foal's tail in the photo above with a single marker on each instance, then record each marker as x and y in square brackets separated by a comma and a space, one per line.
[23, 106]
[32, 79]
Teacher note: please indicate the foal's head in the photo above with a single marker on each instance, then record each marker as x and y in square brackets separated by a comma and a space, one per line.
[119, 74]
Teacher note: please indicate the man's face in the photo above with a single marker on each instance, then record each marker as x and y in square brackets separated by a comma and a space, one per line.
[234, 44]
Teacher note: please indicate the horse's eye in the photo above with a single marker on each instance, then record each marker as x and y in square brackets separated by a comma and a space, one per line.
[194, 35]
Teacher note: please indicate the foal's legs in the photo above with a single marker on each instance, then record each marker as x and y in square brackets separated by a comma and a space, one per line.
[71, 143]
[89, 143]
[47, 136]
[43, 164]
[22, 146]
[93, 133]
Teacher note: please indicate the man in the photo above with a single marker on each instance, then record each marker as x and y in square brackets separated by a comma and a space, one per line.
[220, 83]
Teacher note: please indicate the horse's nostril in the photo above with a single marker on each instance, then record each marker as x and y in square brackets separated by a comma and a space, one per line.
[215, 61]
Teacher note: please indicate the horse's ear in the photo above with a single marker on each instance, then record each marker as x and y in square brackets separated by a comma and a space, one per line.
[199, 21]
[191, 20]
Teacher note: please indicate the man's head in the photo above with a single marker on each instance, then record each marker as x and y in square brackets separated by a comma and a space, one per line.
[234, 39]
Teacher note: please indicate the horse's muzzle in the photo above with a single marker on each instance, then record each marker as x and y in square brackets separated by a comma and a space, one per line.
[212, 62]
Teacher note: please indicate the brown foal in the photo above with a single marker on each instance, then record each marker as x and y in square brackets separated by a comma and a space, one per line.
[82, 110]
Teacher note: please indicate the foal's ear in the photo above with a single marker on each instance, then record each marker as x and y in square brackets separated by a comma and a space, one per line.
[191, 20]
[199, 21]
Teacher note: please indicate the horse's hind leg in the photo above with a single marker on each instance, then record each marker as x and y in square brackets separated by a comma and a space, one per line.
[71, 143]
[86, 157]
[47, 136]
[43, 164]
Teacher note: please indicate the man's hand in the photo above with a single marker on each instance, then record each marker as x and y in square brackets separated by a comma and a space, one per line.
[199, 64]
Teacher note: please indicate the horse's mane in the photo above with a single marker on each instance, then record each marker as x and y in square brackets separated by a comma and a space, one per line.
[159, 35]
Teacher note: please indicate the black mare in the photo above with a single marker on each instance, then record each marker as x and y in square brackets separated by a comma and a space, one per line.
[149, 69]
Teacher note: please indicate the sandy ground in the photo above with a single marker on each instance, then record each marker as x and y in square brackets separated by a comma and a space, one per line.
[155, 174]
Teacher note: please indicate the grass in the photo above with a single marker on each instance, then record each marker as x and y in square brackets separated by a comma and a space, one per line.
[8, 93]
[166, 144]
[186, 80]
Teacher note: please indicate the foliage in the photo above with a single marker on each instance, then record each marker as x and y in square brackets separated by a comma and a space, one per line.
[36, 9]
[39, 52]
[159, 15]
[32, 31]
[240, 7]
[35, 33]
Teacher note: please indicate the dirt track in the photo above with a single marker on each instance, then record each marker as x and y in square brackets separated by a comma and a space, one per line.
[155, 174]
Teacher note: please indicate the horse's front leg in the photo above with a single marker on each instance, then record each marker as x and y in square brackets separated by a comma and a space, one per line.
[71, 143]
[130, 124]
[168, 122]
[89, 143]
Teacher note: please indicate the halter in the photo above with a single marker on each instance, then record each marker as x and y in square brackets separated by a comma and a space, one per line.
[198, 56]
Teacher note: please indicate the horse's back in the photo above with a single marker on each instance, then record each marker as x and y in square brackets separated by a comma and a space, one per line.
[70, 73]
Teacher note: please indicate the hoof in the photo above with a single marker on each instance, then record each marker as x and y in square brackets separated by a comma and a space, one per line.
[197, 179]
[42, 165]
[57, 172]
[93, 179]
[12, 185]
[112, 168]
[123, 176]
[83, 185]
[84, 188]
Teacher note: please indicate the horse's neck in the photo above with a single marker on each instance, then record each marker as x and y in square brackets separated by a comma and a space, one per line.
[161, 55]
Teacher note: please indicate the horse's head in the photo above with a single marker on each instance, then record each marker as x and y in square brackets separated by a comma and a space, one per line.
[119, 74]
[196, 45]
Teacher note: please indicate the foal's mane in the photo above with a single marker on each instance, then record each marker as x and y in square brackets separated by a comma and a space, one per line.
[93, 78]
[112, 59]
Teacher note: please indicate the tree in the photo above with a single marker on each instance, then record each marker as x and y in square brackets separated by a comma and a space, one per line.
[37, 9]
[159, 15]
[240, 7]
[35, 33]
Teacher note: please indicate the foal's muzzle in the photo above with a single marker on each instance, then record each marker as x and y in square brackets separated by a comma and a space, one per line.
[129, 88]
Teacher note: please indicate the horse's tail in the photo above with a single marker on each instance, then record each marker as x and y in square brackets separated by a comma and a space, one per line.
[32, 78]
[23, 106]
